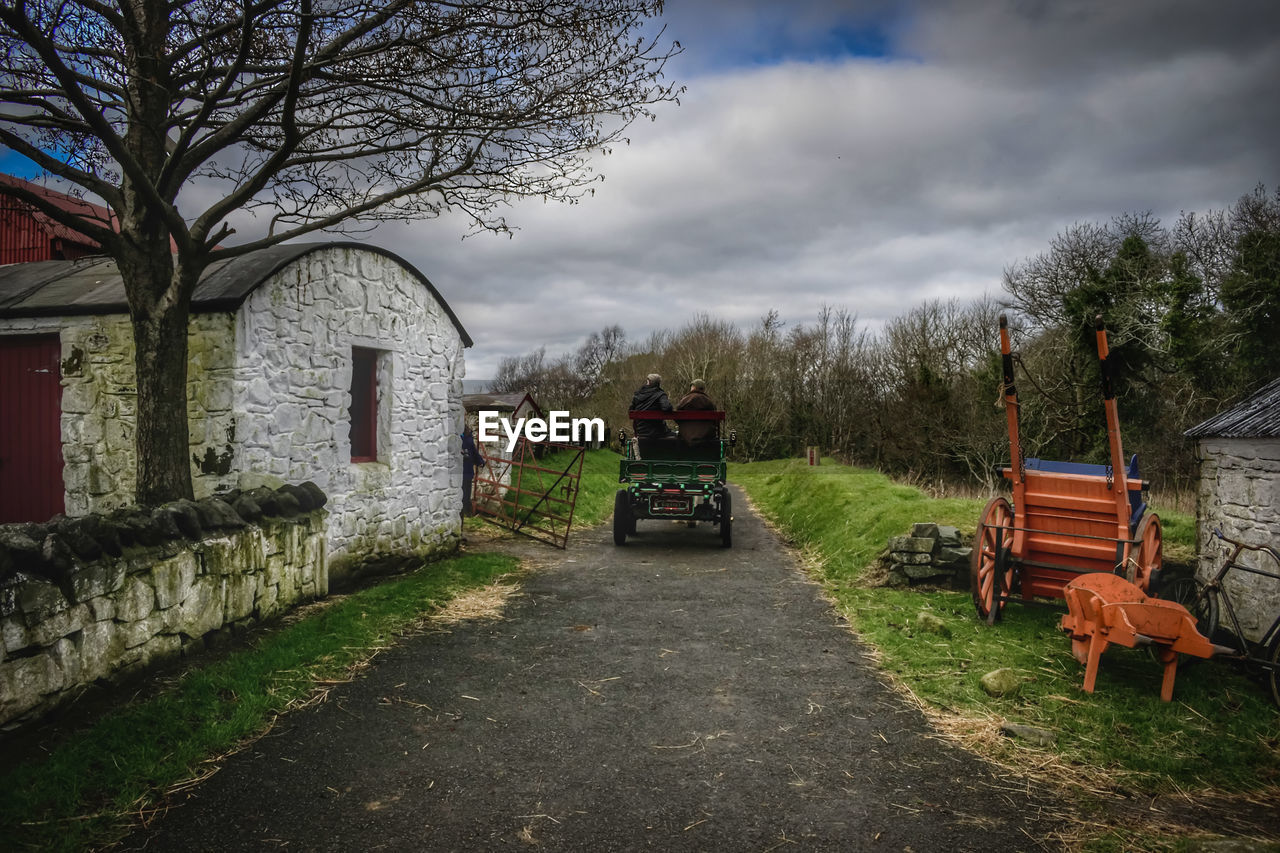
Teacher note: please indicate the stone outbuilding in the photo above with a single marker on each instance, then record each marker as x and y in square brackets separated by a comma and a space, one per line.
[336, 363]
[1239, 453]
[510, 407]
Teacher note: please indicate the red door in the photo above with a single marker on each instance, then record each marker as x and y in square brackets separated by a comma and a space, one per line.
[30, 428]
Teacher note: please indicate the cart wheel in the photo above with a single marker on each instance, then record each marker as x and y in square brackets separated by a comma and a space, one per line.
[623, 520]
[1146, 558]
[990, 571]
[726, 519]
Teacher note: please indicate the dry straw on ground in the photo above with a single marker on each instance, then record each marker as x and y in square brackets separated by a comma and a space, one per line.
[483, 603]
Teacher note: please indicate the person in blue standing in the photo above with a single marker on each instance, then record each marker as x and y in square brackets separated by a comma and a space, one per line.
[471, 460]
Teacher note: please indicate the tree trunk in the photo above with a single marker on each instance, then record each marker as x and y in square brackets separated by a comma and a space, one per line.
[159, 316]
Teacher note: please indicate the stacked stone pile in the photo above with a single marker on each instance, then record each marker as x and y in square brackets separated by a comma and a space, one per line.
[931, 554]
[90, 598]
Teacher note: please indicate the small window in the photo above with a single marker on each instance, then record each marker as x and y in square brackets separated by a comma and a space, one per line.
[364, 405]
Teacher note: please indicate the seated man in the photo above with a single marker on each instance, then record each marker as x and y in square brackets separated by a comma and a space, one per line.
[651, 398]
[692, 432]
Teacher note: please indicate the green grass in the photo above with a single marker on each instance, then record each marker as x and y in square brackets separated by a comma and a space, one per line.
[75, 796]
[1219, 732]
[598, 486]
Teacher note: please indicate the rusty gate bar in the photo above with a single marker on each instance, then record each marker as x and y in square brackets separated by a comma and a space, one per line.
[499, 502]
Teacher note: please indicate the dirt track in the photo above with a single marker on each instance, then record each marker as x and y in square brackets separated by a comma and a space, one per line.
[668, 695]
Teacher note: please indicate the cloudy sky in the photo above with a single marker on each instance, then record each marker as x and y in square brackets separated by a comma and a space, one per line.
[871, 155]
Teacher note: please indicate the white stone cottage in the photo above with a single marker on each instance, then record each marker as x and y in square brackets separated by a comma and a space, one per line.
[337, 363]
[1239, 453]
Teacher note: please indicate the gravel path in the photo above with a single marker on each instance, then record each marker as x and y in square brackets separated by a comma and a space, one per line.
[668, 695]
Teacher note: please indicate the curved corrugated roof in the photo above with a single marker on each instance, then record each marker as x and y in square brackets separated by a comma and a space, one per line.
[1255, 417]
[94, 285]
[95, 214]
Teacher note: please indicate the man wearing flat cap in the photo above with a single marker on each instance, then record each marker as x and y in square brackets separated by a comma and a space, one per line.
[696, 400]
[651, 398]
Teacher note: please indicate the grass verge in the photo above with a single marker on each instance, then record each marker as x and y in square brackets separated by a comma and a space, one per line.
[598, 485]
[89, 787]
[1220, 731]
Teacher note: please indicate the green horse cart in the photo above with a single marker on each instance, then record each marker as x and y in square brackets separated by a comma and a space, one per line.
[673, 479]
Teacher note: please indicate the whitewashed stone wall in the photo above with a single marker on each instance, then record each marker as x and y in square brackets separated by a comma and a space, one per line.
[1240, 494]
[118, 614]
[294, 337]
[99, 404]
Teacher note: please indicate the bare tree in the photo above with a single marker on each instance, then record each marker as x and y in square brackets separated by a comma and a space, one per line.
[318, 114]
[520, 373]
[597, 352]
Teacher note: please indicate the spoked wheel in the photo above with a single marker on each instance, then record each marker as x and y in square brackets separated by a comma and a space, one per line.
[990, 569]
[726, 519]
[1146, 557]
[623, 521]
[1200, 601]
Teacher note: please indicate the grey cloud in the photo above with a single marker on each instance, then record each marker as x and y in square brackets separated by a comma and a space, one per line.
[1058, 42]
[873, 184]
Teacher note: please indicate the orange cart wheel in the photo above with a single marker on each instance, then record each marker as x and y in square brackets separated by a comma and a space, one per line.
[990, 566]
[1145, 558]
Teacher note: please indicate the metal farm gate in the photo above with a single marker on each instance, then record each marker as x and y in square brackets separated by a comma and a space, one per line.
[31, 487]
[533, 491]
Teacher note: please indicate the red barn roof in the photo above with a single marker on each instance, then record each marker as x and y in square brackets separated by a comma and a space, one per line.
[29, 234]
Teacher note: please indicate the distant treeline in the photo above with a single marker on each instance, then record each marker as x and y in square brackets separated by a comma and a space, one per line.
[1193, 313]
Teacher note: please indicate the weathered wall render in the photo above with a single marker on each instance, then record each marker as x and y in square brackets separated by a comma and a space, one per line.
[101, 596]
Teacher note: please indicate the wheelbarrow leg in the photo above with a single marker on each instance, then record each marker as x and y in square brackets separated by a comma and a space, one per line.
[1097, 645]
[1169, 658]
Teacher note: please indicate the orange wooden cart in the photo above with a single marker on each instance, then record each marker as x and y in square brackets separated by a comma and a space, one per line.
[1067, 518]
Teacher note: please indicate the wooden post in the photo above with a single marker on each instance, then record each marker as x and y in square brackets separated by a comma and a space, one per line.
[1017, 474]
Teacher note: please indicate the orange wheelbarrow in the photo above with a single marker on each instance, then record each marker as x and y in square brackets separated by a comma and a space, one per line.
[1105, 608]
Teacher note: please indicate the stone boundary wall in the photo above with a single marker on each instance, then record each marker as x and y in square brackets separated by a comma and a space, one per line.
[102, 596]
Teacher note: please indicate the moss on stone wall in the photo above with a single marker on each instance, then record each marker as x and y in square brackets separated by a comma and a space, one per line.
[105, 595]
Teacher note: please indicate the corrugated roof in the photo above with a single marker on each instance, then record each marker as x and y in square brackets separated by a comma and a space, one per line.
[94, 285]
[500, 402]
[92, 213]
[1256, 417]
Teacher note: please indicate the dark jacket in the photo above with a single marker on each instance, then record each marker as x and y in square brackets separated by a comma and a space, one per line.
[471, 458]
[651, 398]
[691, 431]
